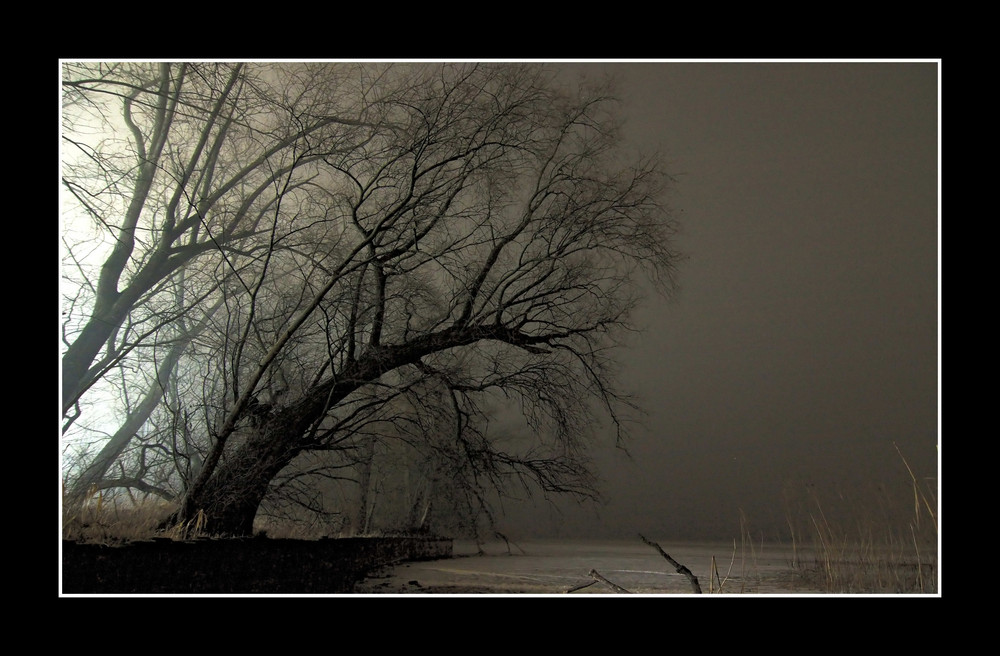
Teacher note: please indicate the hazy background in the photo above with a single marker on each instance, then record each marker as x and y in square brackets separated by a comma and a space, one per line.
[803, 343]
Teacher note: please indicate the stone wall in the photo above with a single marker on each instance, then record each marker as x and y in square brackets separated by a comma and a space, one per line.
[237, 566]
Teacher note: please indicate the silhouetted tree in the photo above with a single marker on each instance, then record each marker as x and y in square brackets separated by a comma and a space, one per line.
[177, 167]
[389, 242]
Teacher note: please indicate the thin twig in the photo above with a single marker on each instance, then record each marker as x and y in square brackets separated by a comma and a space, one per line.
[509, 542]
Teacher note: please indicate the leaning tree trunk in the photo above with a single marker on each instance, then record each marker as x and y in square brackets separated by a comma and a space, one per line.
[229, 500]
[229, 490]
[94, 473]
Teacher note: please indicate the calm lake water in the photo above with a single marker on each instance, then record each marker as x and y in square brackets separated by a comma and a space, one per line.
[557, 567]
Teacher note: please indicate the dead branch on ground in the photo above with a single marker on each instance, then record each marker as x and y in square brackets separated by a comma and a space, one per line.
[580, 587]
[614, 586]
[681, 569]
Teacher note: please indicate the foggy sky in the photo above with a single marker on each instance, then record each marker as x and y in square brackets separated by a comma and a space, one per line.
[803, 342]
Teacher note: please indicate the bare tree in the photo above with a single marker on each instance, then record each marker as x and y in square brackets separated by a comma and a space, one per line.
[457, 235]
[187, 161]
[169, 173]
[93, 472]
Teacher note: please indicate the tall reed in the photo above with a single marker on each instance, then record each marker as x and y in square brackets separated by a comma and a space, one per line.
[880, 551]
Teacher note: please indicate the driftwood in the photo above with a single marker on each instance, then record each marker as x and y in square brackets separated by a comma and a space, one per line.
[581, 586]
[681, 569]
[614, 586]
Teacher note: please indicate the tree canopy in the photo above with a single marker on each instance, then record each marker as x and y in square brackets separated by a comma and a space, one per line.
[280, 274]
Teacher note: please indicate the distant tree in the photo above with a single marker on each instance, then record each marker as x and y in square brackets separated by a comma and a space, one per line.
[155, 434]
[402, 245]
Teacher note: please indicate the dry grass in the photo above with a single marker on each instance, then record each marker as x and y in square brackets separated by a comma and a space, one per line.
[742, 573]
[107, 518]
[876, 554]
[116, 519]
